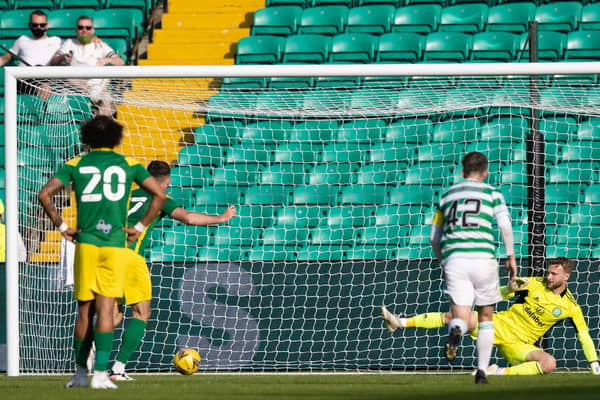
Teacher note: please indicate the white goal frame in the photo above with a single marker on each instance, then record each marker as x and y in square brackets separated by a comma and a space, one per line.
[392, 70]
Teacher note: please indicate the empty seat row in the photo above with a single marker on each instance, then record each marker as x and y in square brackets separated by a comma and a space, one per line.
[144, 5]
[424, 18]
[411, 47]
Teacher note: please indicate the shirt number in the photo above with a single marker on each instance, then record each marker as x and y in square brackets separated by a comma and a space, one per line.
[106, 180]
[472, 207]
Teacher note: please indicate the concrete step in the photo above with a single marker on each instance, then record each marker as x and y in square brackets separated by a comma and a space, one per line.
[201, 35]
[195, 51]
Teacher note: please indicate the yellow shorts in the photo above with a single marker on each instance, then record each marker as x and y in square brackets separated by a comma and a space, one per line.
[138, 285]
[98, 270]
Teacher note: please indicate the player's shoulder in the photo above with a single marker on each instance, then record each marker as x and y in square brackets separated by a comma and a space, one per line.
[73, 162]
[570, 298]
[132, 161]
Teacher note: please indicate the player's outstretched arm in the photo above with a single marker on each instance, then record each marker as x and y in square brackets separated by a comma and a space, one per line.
[46, 196]
[152, 187]
[195, 218]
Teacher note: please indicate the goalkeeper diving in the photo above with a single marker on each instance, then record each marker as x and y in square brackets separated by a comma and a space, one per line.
[541, 302]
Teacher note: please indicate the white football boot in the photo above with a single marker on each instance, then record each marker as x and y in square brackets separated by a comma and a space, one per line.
[100, 380]
[392, 321]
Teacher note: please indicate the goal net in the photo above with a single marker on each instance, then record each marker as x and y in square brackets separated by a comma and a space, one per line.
[334, 172]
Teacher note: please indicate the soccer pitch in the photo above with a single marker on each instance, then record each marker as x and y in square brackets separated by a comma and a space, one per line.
[313, 386]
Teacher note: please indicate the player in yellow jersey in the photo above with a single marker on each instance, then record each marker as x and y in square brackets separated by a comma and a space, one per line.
[541, 303]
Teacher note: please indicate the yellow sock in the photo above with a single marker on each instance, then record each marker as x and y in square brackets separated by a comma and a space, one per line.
[427, 320]
[527, 368]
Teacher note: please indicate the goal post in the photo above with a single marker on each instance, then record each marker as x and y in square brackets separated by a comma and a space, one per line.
[325, 176]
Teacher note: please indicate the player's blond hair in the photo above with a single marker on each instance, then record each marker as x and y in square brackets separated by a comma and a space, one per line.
[564, 262]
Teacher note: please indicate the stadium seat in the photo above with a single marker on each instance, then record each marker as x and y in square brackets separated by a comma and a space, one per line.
[277, 235]
[323, 20]
[381, 173]
[313, 131]
[344, 152]
[353, 48]
[372, 102]
[305, 153]
[427, 175]
[409, 130]
[301, 3]
[499, 151]
[324, 100]
[33, 4]
[265, 132]
[468, 18]
[510, 17]
[456, 130]
[242, 174]
[558, 16]
[551, 46]
[589, 130]
[347, 3]
[332, 174]
[401, 214]
[259, 50]
[447, 46]
[223, 133]
[390, 152]
[585, 214]
[213, 253]
[361, 130]
[120, 46]
[299, 216]
[325, 235]
[580, 151]
[119, 22]
[225, 236]
[341, 216]
[564, 193]
[327, 253]
[30, 108]
[592, 194]
[189, 176]
[579, 235]
[306, 48]
[397, 3]
[14, 23]
[283, 174]
[573, 172]
[415, 193]
[373, 19]
[441, 152]
[388, 235]
[94, 4]
[494, 46]
[268, 194]
[419, 235]
[249, 153]
[400, 48]
[218, 195]
[514, 194]
[514, 173]
[511, 128]
[276, 20]
[61, 108]
[315, 194]
[583, 45]
[220, 106]
[420, 18]
[370, 252]
[364, 194]
[273, 101]
[271, 253]
[558, 129]
[590, 17]
[413, 102]
[200, 155]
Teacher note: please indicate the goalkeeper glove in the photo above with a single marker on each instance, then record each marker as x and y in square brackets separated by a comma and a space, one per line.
[595, 366]
[518, 284]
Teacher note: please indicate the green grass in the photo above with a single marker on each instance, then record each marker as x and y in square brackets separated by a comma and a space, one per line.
[286, 386]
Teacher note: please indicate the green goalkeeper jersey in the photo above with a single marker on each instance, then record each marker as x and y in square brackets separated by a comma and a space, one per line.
[102, 182]
[140, 201]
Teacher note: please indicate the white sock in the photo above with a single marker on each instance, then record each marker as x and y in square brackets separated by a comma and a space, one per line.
[485, 343]
[460, 323]
[118, 367]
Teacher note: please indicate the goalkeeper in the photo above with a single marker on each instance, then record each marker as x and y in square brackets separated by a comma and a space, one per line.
[138, 287]
[541, 303]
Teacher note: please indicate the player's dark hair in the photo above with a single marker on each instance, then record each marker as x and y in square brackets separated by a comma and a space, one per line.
[39, 13]
[101, 131]
[159, 169]
[474, 162]
[564, 262]
[85, 17]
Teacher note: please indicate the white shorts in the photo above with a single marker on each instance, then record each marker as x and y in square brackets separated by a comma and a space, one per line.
[471, 281]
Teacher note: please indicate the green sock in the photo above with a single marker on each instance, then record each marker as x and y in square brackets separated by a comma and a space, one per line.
[131, 339]
[104, 342]
[427, 321]
[82, 349]
[527, 368]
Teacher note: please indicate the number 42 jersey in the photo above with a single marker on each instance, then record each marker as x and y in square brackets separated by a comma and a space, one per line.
[466, 212]
[102, 182]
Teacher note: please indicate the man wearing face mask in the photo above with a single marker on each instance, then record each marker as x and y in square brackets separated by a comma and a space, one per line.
[84, 50]
[36, 49]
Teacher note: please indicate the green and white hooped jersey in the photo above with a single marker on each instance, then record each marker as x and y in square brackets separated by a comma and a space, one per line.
[102, 184]
[466, 212]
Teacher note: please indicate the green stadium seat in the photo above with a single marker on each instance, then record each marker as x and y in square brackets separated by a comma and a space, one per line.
[276, 20]
[323, 20]
[419, 235]
[471, 107]
[271, 253]
[419, 18]
[441, 152]
[265, 132]
[456, 130]
[283, 174]
[551, 46]
[222, 133]
[33, 4]
[325, 235]
[30, 108]
[32, 178]
[14, 23]
[200, 155]
[241, 83]
[304, 153]
[374, 19]
[507, 95]
[372, 102]
[344, 152]
[221, 104]
[400, 47]
[582, 45]
[258, 216]
[401, 214]
[409, 130]
[317, 101]
[140, 4]
[225, 236]
[301, 3]
[325, 253]
[218, 195]
[189, 176]
[558, 129]
[570, 251]
[468, 18]
[446, 46]
[278, 235]
[31, 156]
[387, 235]
[315, 194]
[353, 48]
[261, 49]
[94, 4]
[299, 216]
[556, 213]
[213, 253]
[588, 131]
[564, 193]
[249, 153]
[369, 252]
[240, 174]
[177, 252]
[426, 175]
[510, 128]
[364, 194]
[120, 46]
[337, 83]
[343, 216]
[514, 194]
[495, 46]
[381, 173]
[268, 195]
[585, 151]
[390, 152]
[306, 48]
[592, 193]
[361, 130]
[514, 173]
[590, 17]
[397, 3]
[119, 22]
[276, 101]
[558, 16]
[332, 174]
[292, 82]
[414, 101]
[585, 214]
[347, 3]
[510, 17]
[573, 172]
[580, 235]
[61, 108]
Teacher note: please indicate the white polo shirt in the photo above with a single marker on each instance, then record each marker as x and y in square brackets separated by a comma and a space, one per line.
[36, 51]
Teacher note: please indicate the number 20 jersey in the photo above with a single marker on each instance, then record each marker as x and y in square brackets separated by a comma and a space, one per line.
[102, 182]
[466, 212]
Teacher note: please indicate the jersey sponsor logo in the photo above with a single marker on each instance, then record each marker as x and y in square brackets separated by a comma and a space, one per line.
[103, 226]
[556, 311]
[534, 317]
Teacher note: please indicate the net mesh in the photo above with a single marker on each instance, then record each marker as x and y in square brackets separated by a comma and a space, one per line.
[334, 180]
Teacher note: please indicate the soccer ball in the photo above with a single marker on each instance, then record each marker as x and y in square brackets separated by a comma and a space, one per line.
[186, 361]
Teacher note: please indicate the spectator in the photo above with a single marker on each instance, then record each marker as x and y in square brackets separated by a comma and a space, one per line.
[85, 51]
[21, 250]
